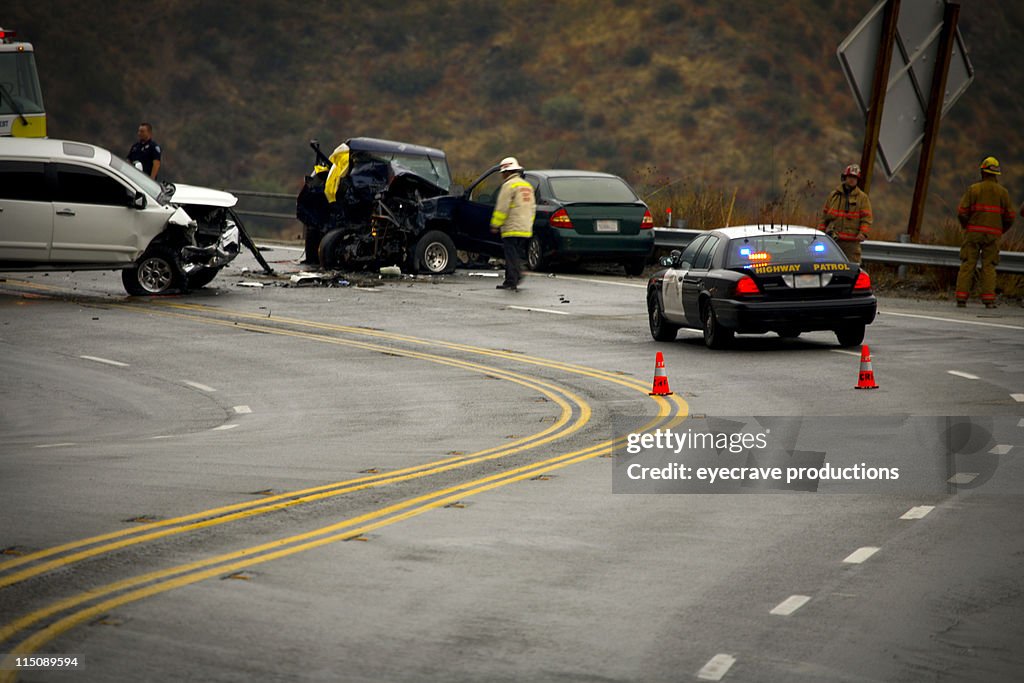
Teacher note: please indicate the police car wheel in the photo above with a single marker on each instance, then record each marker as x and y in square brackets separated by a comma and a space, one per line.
[661, 329]
[851, 335]
[715, 335]
[155, 273]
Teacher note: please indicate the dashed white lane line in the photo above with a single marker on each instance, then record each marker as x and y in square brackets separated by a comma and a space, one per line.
[200, 387]
[54, 445]
[1001, 449]
[1021, 422]
[716, 667]
[105, 361]
[539, 310]
[848, 353]
[860, 554]
[1019, 398]
[965, 375]
[790, 605]
[224, 427]
[242, 410]
[917, 512]
[953, 320]
[963, 478]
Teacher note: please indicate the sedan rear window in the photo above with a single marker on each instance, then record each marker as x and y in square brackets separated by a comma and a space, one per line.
[782, 248]
[589, 189]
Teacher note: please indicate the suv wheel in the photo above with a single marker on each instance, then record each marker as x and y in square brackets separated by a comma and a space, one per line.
[155, 273]
[435, 254]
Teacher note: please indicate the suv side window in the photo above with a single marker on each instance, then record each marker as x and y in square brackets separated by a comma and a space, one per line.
[23, 181]
[81, 185]
[487, 191]
[689, 254]
[704, 255]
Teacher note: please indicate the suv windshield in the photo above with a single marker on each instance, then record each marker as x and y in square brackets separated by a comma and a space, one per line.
[592, 190]
[782, 248]
[148, 185]
[433, 169]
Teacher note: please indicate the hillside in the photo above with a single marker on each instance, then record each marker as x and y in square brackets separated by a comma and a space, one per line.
[693, 102]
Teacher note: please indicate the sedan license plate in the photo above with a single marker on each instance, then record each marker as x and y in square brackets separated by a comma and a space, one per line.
[606, 226]
[807, 281]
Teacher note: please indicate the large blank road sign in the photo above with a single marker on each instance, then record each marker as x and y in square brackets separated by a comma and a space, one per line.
[910, 77]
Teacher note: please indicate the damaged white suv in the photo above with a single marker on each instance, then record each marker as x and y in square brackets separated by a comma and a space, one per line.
[74, 206]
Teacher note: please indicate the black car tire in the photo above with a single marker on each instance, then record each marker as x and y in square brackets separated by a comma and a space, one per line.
[535, 255]
[715, 335]
[789, 334]
[156, 272]
[312, 245]
[661, 329]
[435, 254]
[329, 252]
[851, 335]
[201, 277]
[635, 267]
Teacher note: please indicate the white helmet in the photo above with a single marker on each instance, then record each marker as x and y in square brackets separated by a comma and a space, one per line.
[510, 164]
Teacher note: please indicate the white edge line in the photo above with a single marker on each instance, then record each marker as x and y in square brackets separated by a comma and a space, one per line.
[917, 512]
[601, 282]
[848, 353]
[716, 667]
[200, 387]
[106, 361]
[965, 375]
[860, 554]
[242, 410]
[1019, 398]
[224, 427]
[790, 605]
[538, 310]
[55, 445]
[953, 320]
[280, 246]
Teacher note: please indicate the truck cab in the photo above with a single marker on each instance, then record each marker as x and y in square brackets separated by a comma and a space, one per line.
[21, 99]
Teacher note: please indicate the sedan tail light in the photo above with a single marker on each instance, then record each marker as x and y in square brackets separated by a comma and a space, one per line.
[560, 219]
[647, 222]
[863, 282]
[747, 286]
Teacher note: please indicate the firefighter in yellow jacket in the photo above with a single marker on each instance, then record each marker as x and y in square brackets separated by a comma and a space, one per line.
[847, 214]
[984, 214]
[513, 216]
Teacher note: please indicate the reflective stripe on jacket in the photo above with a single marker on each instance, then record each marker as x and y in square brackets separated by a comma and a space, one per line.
[847, 215]
[985, 208]
[515, 208]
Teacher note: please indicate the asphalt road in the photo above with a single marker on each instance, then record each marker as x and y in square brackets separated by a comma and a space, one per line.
[412, 480]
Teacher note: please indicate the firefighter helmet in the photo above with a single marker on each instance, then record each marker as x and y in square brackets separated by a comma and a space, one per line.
[510, 164]
[990, 165]
[852, 169]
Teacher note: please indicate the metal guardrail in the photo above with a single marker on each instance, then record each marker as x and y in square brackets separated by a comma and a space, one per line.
[872, 250]
[265, 195]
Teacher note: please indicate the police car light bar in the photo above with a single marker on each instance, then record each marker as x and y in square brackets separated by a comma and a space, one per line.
[7, 33]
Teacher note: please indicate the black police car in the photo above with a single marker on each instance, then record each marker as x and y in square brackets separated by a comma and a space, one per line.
[757, 279]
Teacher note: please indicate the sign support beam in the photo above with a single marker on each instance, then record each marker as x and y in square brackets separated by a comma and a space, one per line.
[879, 84]
[950, 18]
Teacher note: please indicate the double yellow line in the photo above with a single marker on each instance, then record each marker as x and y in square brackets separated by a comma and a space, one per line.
[153, 583]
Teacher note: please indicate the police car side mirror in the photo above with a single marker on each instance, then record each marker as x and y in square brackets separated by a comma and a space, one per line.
[138, 199]
[666, 261]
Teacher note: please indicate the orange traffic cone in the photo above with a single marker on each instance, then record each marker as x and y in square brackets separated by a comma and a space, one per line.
[866, 380]
[660, 380]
